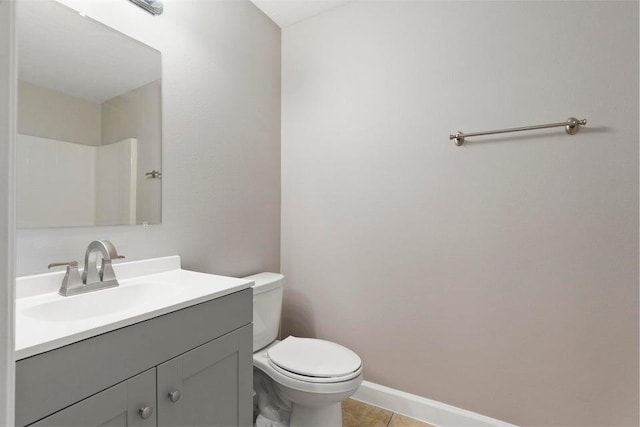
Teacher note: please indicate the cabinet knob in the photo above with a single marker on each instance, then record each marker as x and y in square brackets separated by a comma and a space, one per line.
[145, 412]
[174, 396]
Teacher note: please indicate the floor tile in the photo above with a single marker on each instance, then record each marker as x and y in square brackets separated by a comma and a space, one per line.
[398, 420]
[358, 414]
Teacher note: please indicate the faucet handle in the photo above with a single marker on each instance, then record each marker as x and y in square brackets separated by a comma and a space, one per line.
[106, 272]
[72, 264]
[71, 281]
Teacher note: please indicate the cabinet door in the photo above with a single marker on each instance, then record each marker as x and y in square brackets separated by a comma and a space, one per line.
[210, 385]
[119, 405]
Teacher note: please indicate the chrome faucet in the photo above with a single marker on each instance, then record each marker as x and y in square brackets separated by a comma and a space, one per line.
[92, 278]
[91, 275]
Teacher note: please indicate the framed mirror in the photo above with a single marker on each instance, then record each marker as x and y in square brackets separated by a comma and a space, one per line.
[89, 144]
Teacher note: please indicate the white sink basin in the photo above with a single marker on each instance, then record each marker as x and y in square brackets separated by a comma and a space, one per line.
[106, 302]
[66, 311]
[46, 320]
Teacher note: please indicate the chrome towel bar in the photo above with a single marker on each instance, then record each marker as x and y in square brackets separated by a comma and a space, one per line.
[571, 126]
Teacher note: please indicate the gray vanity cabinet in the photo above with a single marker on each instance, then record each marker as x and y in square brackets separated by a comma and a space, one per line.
[205, 386]
[120, 405]
[204, 352]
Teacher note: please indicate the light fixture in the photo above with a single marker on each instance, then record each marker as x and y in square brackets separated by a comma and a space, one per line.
[152, 6]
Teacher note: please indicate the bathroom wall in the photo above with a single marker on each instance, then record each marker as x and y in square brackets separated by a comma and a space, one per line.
[501, 276]
[7, 234]
[132, 115]
[221, 141]
[47, 113]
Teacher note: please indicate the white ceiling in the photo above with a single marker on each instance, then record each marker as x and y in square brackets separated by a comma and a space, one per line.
[288, 12]
[61, 50]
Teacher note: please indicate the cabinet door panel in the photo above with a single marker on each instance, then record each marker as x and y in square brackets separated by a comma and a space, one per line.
[213, 382]
[115, 406]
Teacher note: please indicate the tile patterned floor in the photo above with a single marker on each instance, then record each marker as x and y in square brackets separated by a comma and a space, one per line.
[359, 414]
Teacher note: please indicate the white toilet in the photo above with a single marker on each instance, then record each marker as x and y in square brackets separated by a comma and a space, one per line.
[298, 381]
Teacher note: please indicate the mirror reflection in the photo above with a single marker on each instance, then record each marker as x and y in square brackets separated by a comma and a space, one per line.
[88, 148]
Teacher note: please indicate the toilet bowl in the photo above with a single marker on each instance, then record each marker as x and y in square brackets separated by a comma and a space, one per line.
[298, 381]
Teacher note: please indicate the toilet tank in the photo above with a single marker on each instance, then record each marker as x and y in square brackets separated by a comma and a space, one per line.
[267, 305]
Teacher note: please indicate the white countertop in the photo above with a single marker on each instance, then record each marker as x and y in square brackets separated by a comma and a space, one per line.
[149, 288]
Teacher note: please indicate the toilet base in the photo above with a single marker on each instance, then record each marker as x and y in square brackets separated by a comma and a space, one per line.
[316, 416]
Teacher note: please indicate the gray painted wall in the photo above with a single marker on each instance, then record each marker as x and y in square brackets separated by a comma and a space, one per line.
[7, 208]
[51, 114]
[221, 142]
[501, 276]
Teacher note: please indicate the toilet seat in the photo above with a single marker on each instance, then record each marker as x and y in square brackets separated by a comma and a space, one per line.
[314, 360]
[318, 380]
[284, 379]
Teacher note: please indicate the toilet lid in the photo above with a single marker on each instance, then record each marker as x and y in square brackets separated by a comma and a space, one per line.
[314, 358]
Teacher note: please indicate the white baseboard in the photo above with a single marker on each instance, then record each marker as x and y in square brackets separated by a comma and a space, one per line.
[423, 409]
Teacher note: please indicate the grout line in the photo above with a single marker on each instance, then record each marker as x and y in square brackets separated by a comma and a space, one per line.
[393, 414]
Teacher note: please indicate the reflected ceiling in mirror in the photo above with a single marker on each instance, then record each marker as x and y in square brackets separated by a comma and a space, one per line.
[88, 149]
